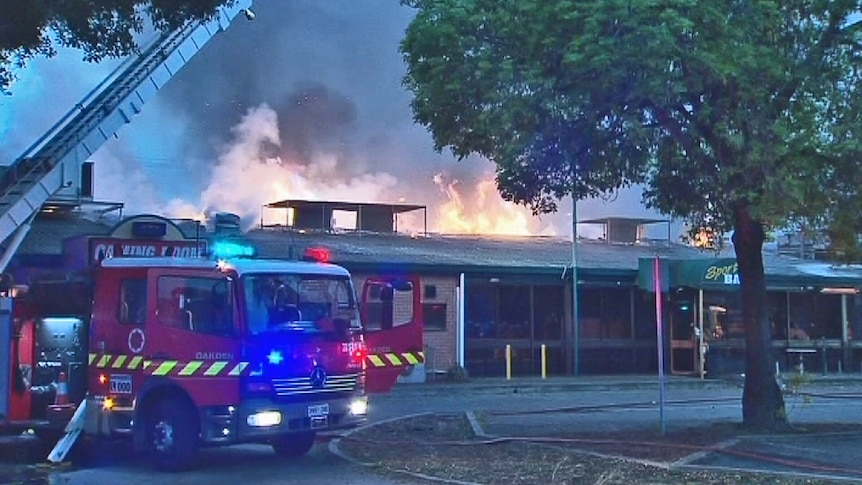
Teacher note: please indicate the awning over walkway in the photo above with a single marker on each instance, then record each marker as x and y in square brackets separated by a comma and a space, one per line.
[722, 274]
[706, 273]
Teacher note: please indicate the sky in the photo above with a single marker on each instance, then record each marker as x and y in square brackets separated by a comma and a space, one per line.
[304, 102]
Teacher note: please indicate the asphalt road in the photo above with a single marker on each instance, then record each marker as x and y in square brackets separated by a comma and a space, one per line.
[516, 411]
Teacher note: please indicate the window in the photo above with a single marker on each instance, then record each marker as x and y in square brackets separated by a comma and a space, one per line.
[645, 324]
[605, 313]
[435, 316]
[389, 305]
[201, 305]
[814, 315]
[548, 316]
[514, 305]
[778, 321]
[133, 301]
[481, 311]
[430, 292]
[299, 302]
[722, 315]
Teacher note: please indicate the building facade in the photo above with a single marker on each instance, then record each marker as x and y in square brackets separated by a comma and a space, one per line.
[481, 295]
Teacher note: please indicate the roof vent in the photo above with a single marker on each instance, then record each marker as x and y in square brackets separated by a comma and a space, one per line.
[227, 224]
[626, 230]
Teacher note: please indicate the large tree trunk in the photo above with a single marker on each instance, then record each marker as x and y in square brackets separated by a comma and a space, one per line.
[762, 402]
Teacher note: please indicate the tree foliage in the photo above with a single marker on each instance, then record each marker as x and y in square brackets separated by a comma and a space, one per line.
[100, 29]
[736, 115]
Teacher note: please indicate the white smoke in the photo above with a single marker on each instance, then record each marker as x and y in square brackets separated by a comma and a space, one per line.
[245, 177]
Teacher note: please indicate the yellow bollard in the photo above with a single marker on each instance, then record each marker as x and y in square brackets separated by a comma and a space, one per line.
[544, 362]
[508, 362]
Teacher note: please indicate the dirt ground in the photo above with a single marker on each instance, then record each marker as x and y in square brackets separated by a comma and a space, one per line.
[444, 446]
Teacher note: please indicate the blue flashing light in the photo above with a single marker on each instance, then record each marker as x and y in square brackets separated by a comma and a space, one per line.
[275, 357]
[226, 249]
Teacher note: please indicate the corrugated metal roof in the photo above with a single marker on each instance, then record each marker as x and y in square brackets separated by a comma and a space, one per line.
[468, 253]
[46, 235]
[473, 251]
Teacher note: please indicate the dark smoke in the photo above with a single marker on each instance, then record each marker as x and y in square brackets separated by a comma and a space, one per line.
[331, 71]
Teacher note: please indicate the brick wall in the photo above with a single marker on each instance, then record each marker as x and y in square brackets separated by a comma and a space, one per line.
[440, 345]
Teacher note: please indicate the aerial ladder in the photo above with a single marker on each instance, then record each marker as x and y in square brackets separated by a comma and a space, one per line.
[55, 169]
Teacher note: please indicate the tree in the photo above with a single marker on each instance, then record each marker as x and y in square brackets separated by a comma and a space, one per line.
[737, 115]
[100, 29]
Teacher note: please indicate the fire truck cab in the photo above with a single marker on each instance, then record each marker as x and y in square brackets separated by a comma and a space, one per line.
[178, 353]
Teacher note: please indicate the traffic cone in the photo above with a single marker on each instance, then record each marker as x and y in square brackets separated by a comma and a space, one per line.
[62, 397]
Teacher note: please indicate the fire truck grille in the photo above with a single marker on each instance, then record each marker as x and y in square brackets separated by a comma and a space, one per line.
[300, 386]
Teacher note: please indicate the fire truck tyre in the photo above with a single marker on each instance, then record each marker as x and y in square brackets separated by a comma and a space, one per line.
[293, 445]
[173, 435]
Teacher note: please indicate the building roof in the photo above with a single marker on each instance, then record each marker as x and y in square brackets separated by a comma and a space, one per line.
[47, 234]
[470, 254]
[453, 251]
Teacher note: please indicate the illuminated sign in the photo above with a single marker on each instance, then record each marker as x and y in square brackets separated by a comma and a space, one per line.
[728, 273]
[105, 248]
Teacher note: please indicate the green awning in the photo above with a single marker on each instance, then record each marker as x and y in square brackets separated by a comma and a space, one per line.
[705, 273]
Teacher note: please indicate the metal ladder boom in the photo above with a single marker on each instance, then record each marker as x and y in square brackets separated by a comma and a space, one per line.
[50, 169]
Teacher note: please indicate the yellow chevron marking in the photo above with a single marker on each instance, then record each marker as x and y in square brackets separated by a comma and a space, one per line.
[393, 358]
[421, 356]
[92, 358]
[147, 363]
[191, 367]
[376, 360]
[118, 362]
[165, 367]
[237, 369]
[103, 362]
[215, 368]
[135, 362]
[410, 358]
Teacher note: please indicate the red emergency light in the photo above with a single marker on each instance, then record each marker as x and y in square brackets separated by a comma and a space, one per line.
[318, 255]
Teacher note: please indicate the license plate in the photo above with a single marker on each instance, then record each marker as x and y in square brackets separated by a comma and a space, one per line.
[121, 384]
[316, 410]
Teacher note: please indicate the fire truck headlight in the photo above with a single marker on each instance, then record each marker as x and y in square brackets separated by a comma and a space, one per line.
[265, 418]
[359, 407]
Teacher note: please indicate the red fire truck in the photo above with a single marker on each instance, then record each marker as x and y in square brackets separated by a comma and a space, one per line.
[179, 353]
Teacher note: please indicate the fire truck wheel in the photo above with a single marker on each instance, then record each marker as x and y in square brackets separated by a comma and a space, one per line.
[293, 445]
[173, 436]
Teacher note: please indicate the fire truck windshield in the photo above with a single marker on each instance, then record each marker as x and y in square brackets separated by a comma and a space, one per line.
[299, 302]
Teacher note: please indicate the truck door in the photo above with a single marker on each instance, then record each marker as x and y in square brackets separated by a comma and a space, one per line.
[392, 316]
[194, 335]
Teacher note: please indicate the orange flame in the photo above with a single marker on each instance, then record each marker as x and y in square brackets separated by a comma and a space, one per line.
[485, 213]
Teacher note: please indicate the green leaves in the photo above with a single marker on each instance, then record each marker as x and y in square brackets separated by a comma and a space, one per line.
[714, 104]
[99, 29]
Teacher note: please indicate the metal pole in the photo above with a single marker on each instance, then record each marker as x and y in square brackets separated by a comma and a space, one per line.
[660, 336]
[700, 336]
[461, 321]
[508, 362]
[575, 317]
[544, 361]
